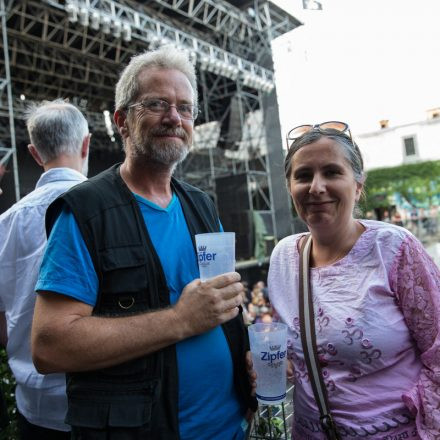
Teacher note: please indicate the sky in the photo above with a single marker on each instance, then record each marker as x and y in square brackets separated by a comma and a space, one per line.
[359, 61]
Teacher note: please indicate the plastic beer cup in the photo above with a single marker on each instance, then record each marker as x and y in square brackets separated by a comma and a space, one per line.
[269, 356]
[215, 253]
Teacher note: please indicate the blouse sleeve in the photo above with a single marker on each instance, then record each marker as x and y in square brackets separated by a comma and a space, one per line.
[416, 280]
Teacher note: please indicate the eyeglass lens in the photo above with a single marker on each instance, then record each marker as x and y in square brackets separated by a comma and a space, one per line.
[299, 131]
[158, 107]
[334, 125]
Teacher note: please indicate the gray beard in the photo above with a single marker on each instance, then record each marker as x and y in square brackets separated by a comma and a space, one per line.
[168, 154]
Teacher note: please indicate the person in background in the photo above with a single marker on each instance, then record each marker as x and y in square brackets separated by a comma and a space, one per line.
[262, 286]
[397, 219]
[151, 352]
[60, 139]
[376, 295]
[433, 220]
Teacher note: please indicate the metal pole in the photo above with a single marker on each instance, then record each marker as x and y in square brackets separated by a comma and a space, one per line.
[13, 149]
[269, 177]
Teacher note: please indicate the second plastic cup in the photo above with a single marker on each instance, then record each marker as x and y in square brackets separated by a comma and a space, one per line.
[269, 356]
[215, 253]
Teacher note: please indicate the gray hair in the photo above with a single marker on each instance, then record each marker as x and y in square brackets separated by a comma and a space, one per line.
[56, 128]
[350, 150]
[165, 57]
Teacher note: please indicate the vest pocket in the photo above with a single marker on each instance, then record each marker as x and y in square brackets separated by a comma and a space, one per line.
[123, 269]
[124, 283]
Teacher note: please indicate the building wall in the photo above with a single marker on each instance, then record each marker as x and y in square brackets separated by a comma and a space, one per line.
[385, 147]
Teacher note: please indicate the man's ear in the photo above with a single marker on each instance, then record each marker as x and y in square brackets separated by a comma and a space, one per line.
[35, 154]
[120, 118]
[85, 146]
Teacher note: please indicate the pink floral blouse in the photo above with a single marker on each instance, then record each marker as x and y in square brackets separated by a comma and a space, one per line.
[377, 318]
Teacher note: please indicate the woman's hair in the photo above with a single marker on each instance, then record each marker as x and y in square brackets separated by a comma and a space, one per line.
[166, 57]
[350, 150]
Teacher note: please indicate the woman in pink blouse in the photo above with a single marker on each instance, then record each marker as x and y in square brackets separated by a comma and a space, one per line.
[376, 296]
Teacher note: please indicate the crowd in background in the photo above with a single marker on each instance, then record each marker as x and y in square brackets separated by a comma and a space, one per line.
[423, 223]
[257, 307]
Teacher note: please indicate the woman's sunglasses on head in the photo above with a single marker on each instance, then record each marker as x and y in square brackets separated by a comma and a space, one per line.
[297, 132]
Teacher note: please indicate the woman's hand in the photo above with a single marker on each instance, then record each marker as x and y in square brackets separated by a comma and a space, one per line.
[251, 373]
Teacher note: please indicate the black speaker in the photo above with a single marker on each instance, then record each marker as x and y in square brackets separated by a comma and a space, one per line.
[231, 130]
[235, 214]
[243, 226]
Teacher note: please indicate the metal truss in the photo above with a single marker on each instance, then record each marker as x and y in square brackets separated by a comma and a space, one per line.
[207, 162]
[8, 148]
[100, 141]
[152, 31]
[75, 49]
[245, 32]
[51, 58]
[40, 35]
[222, 17]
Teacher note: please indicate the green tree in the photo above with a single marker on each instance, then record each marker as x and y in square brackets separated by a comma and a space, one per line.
[418, 183]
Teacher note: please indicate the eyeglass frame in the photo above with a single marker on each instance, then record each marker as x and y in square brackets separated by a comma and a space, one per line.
[317, 127]
[141, 103]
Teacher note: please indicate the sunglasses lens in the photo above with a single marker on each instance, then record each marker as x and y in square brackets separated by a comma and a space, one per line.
[334, 125]
[299, 131]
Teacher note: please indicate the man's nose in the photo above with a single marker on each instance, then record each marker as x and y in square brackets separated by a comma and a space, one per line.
[173, 116]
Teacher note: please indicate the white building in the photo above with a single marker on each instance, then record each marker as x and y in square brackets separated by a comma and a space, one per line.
[393, 146]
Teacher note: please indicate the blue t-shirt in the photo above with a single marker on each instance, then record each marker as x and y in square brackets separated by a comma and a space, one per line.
[208, 405]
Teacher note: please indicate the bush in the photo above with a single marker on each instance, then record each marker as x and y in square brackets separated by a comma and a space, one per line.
[7, 383]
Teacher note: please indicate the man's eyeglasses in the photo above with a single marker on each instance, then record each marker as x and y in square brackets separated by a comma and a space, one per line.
[159, 107]
[297, 132]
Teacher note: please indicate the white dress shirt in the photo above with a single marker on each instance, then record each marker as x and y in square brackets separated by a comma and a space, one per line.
[41, 399]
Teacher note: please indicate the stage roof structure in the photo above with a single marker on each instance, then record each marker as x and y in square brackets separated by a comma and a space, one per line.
[76, 49]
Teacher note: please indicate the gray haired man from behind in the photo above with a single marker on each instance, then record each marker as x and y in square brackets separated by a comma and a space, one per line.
[60, 140]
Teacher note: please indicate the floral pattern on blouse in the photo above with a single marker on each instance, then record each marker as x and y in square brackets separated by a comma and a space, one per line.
[377, 318]
[417, 284]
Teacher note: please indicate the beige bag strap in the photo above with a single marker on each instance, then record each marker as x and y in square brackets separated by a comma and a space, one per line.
[308, 340]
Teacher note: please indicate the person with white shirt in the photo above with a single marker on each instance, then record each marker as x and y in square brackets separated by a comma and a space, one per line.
[60, 140]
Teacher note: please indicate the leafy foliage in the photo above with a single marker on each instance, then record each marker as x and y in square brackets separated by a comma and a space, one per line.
[270, 423]
[7, 383]
[417, 183]
[270, 428]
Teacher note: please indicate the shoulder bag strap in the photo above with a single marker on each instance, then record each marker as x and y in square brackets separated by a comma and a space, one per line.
[308, 339]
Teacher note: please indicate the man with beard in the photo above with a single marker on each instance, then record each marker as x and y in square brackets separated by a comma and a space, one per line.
[151, 352]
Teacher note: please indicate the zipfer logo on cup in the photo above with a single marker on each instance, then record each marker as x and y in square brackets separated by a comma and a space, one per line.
[205, 257]
[271, 356]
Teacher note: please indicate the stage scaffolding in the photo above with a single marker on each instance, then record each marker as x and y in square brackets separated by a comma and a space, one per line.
[7, 143]
[76, 48]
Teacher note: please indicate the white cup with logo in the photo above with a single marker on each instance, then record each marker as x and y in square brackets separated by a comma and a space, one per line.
[215, 253]
[269, 357]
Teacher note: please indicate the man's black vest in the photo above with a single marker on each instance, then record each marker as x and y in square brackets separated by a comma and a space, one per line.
[143, 391]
